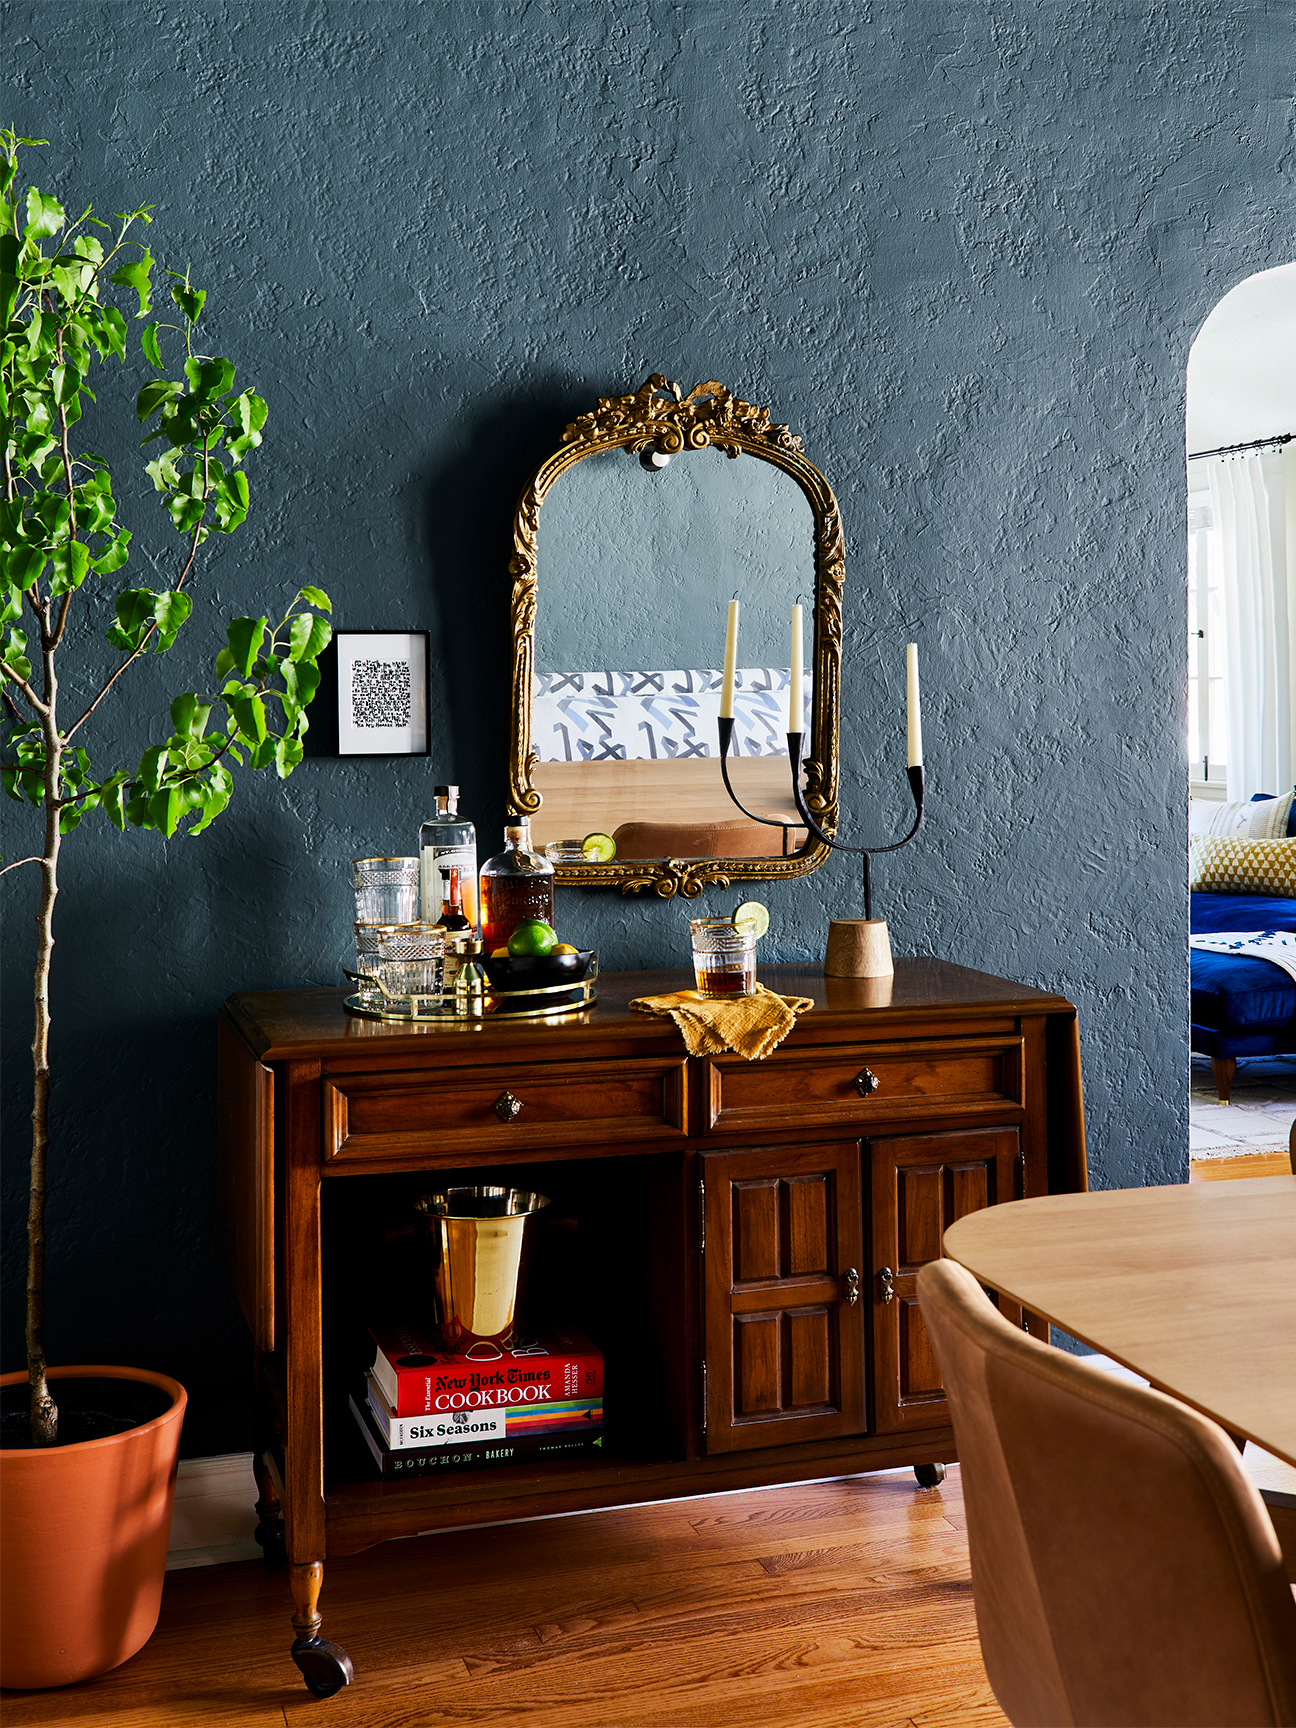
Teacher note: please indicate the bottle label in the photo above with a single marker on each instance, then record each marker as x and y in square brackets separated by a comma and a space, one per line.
[435, 859]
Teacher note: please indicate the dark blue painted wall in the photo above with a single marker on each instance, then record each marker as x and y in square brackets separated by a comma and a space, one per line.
[963, 254]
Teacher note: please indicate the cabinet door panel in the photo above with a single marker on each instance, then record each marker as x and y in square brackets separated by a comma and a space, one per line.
[755, 1231]
[784, 1345]
[923, 1183]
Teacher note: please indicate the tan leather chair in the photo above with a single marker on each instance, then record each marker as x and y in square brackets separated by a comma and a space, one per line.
[1123, 1567]
[736, 839]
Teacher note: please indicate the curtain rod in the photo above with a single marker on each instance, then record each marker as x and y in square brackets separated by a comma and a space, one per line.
[1236, 449]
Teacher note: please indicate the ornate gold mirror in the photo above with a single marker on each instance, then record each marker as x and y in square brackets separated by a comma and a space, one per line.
[659, 509]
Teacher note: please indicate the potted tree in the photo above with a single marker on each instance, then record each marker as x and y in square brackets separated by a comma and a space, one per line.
[87, 1464]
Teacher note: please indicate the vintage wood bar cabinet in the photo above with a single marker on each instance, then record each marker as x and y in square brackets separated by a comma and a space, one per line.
[740, 1239]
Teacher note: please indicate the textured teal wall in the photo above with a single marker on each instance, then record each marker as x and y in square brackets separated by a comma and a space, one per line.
[964, 255]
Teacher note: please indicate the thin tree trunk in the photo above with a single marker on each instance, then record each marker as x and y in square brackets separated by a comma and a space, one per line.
[44, 1411]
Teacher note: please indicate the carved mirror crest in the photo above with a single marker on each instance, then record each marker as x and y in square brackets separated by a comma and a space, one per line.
[619, 612]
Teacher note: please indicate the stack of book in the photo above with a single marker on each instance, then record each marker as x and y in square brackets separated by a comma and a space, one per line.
[422, 1410]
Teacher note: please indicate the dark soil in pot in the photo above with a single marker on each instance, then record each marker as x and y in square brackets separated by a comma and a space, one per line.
[89, 1409]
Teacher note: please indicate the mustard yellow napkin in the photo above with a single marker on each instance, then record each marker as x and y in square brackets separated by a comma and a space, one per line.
[751, 1026]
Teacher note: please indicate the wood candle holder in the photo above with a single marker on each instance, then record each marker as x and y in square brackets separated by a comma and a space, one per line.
[858, 948]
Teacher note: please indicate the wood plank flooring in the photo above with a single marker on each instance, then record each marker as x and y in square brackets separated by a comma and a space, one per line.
[835, 1605]
[1244, 1164]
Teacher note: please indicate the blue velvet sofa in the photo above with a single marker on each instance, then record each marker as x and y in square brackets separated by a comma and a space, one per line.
[1241, 1007]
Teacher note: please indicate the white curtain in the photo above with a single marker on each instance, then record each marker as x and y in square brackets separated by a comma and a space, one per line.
[1254, 498]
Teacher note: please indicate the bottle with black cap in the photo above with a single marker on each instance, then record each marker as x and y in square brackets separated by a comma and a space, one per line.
[448, 843]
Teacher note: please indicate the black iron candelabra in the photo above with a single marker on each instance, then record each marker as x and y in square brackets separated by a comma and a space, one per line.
[796, 745]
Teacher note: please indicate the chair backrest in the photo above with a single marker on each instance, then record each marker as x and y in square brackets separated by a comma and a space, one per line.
[733, 839]
[1123, 1567]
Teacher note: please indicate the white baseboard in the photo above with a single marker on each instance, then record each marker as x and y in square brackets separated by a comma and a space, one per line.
[214, 1516]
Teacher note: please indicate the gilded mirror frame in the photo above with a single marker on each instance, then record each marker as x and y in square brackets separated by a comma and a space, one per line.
[661, 416]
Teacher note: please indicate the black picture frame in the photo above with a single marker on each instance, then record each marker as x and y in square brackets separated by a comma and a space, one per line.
[358, 702]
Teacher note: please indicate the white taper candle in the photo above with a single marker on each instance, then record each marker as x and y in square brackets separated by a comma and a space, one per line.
[796, 693]
[915, 707]
[730, 663]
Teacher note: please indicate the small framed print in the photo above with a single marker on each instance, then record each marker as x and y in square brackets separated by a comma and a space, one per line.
[382, 687]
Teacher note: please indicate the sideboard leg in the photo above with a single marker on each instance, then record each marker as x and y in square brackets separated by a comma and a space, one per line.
[929, 1475]
[325, 1667]
[269, 1532]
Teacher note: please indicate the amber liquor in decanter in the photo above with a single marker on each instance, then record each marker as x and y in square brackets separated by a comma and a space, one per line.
[516, 884]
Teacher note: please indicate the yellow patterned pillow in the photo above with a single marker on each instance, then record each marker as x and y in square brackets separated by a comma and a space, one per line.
[1226, 866]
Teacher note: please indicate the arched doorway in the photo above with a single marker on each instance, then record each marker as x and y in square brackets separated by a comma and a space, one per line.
[1241, 444]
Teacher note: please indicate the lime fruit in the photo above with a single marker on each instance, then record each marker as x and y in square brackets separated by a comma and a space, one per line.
[599, 848]
[532, 936]
[752, 918]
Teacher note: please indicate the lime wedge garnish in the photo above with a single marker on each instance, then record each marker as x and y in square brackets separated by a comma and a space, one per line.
[599, 848]
[752, 918]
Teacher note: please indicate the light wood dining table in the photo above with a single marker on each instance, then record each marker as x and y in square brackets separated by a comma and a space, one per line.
[1193, 1287]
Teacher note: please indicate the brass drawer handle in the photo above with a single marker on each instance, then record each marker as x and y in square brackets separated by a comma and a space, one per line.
[886, 1279]
[852, 1286]
[507, 1107]
[866, 1082]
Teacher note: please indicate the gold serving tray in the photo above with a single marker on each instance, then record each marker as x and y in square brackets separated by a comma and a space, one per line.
[548, 1002]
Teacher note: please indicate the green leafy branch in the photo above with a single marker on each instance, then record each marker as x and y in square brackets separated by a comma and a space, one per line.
[57, 512]
[269, 681]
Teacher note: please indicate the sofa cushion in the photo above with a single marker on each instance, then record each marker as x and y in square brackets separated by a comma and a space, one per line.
[1229, 866]
[1210, 913]
[1261, 818]
[1230, 992]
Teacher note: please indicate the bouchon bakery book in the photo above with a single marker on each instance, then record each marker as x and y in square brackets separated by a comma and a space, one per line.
[419, 1378]
[472, 1454]
[402, 1433]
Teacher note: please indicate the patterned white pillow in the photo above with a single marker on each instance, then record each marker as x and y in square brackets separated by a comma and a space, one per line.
[1265, 820]
[1229, 866]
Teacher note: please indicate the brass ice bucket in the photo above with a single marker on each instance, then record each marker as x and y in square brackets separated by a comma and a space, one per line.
[476, 1236]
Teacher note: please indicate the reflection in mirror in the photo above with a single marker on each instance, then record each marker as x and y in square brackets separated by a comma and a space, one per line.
[636, 567]
[619, 613]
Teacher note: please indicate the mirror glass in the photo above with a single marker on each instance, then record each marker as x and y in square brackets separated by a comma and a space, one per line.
[635, 569]
[630, 542]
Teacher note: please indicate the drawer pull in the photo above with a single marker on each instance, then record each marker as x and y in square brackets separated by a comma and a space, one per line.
[866, 1082]
[886, 1280]
[852, 1287]
[507, 1107]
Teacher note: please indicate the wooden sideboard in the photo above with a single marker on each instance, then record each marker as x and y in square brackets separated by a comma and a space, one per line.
[740, 1239]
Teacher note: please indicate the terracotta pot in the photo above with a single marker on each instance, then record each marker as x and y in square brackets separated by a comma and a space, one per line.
[83, 1542]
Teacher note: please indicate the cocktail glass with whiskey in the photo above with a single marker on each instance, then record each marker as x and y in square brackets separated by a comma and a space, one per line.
[724, 957]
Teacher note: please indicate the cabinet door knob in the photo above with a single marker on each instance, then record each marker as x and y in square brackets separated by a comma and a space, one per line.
[852, 1286]
[506, 1107]
[886, 1279]
[866, 1082]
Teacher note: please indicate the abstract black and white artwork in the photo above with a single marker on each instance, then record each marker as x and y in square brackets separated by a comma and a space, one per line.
[382, 693]
[652, 716]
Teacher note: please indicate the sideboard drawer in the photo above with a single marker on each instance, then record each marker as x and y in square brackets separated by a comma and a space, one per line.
[507, 1109]
[859, 1084]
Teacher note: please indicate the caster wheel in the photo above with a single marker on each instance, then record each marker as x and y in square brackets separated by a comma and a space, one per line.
[929, 1475]
[326, 1668]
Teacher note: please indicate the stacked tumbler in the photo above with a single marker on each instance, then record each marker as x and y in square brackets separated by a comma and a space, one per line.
[399, 958]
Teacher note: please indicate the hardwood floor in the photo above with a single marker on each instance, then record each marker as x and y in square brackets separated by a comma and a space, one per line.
[836, 1605]
[1244, 1164]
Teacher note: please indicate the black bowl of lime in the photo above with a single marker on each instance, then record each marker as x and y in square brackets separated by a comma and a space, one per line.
[536, 971]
